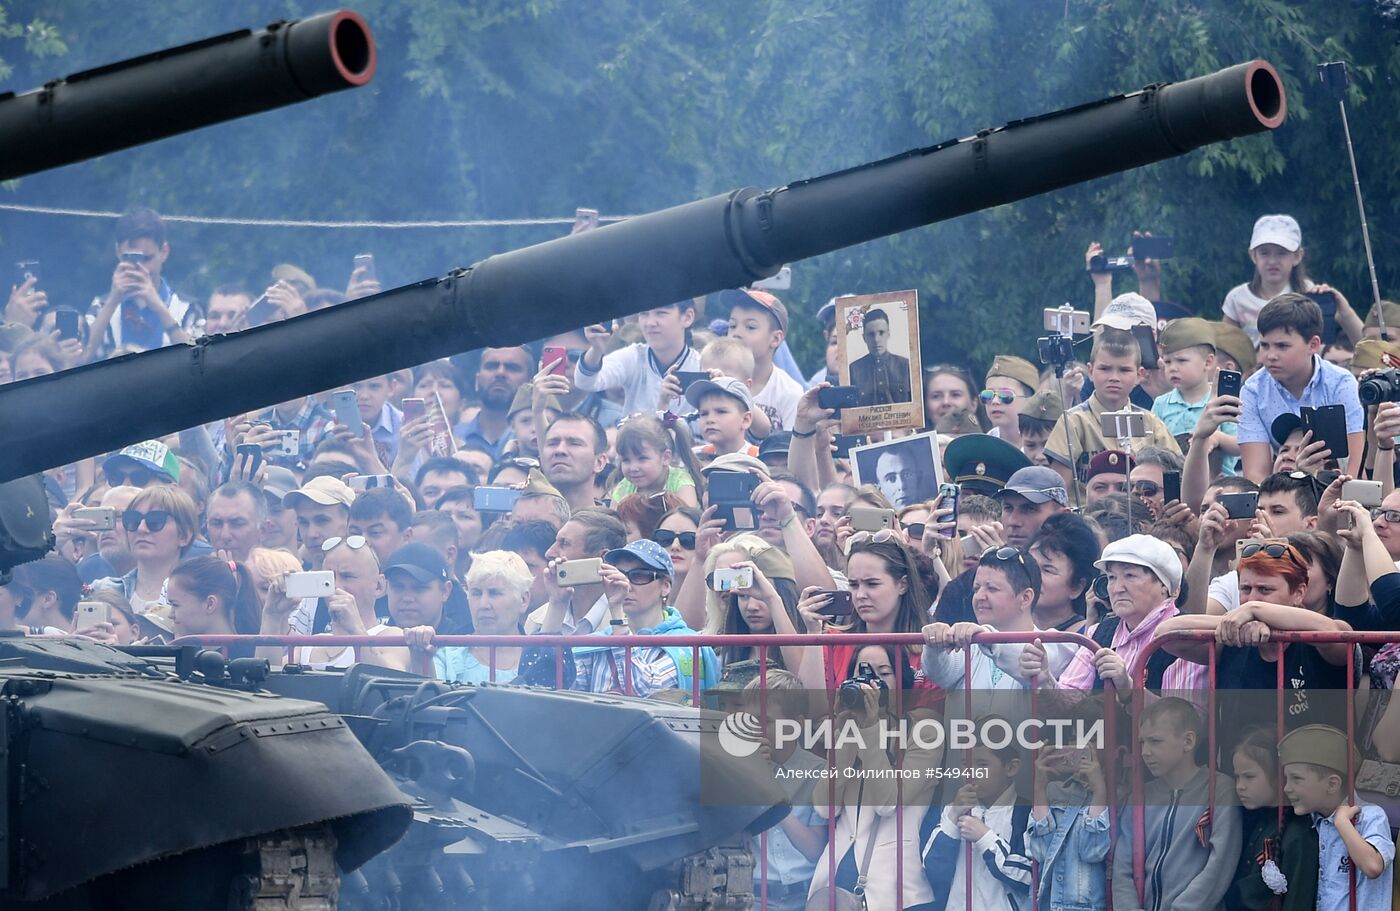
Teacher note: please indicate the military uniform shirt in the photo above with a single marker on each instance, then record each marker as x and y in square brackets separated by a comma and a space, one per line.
[1083, 420]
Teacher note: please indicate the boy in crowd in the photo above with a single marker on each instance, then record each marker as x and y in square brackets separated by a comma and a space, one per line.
[638, 368]
[1193, 837]
[1353, 842]
[1294, 375]
[383, 518]
[1116, 368]
[760, 321]
[1188, 356]
[726, 413]
[1035, 421]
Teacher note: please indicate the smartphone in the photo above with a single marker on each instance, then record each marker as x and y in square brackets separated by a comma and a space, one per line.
[585, 220]
[1239, 505]
[1062, 321]
[1367, 493]
[731, 486]
[1147, 344]
[951, 494]
[1171, 486]
[250, 455]
[346, 406]
[969, 545]
[1327, 303]
[838, 397]
[578, 572]
[690, 377]
[1228, 382]
[26, 269]
[1118, 425]
[733, 579]
[844, 443]
[1329, 424]
[105, 518]
[288, 443]
[66, 322]
[371, 481]
[870, 518]
[261, 312]
[413, 409]
[494, 499]
[90, 613]
[1152, 248]
[314, 584]
[839, 606]
[134, 257]
[552, 353]
[365, 262]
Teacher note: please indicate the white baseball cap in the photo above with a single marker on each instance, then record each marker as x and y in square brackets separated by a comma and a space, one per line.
[1277, 229]
[1128, 310]
[1145, 550]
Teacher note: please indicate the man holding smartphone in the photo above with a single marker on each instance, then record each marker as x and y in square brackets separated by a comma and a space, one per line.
[140, 310]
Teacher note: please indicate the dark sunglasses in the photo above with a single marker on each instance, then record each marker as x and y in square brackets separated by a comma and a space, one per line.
[1275, 551]
[155, 519]
[666, 538]
[1146, 488]
[915, 529]
[643, 576]
[135, 477]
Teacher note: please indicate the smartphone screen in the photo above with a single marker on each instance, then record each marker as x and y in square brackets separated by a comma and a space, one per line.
[66, 322]
[553, 354]
[414, 409]
[365, 262]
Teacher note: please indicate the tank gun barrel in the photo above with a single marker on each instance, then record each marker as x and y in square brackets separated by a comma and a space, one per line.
[184, 88]
[696, 248]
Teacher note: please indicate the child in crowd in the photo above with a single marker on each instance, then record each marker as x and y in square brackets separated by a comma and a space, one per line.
[987, 814]
[725, 357]
[638, 368]
[1068, 834]
[1115, 366]
[647, 454]
[1188, 356]
[1193, 837]
[1036, 420]
[1273, 863]
[1010, 383]
[760, 321]
[726, 413]
[1353, 841]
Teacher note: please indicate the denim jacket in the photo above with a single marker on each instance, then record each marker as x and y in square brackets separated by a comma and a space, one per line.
[1071, 847]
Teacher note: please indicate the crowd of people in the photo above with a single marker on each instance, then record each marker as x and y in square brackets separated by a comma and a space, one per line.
[675, 472]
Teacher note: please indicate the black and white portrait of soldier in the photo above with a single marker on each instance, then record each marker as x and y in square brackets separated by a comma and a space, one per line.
[882, 376]
[905, 470]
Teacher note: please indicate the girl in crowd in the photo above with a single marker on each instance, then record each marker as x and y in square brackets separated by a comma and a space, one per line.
[266, 564]
[949, 388]
[51, 591]
[768, 606]
[160, 524]
[653, 463]
[498, 593]
[1068, 834]
[676, 532]
[209, 597]
[1065, 549]
[1293, 850]
[641, 514]
[1276, 249]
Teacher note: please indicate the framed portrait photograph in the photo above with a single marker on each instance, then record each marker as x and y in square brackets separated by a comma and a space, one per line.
[907, 470]
[878, 354]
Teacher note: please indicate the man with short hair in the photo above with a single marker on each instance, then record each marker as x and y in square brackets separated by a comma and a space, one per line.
[438, 530]
[227, 310]
[380, 415]
[323, 512]
[234, 519]
[1289, 503]
[501, 372]
[113, 558]
[279, 527]
[383, 517]
[899, 477]
[589, 533]
[140, 311]
[573, 453]
[439, 475]
[423, 601]
[532, 540]
[359, 585]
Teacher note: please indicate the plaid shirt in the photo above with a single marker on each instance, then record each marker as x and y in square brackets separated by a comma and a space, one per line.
[312, 420]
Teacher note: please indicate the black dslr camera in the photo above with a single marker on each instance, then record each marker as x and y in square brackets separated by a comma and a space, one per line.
[851, 693]
[1382, 386]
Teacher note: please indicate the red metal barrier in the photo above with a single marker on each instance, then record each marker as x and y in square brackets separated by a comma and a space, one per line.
[1286, 637]
[696, 642]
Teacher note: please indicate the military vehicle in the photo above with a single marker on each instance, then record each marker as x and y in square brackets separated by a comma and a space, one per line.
[209, 779]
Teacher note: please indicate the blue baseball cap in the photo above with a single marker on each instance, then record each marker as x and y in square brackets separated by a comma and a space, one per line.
[650, 553]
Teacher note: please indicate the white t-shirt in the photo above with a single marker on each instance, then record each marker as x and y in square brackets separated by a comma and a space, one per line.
[779, 398]
[1226, 590]
[1242, 306]
[345, 657]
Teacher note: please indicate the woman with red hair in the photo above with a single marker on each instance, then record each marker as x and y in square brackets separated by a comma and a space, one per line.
[1273, 579]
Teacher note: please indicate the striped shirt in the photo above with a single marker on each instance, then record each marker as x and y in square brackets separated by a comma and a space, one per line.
[1181, 675]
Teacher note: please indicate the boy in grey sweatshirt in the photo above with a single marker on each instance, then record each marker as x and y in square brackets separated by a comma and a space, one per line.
[1193, 840]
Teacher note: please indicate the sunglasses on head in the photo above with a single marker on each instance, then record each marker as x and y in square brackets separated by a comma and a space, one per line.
[643, 576]
[1005, 554]
[1274, 549]
[155, 519]
[867, 537]
[666, 538]
[1005, 396]
[354, 542]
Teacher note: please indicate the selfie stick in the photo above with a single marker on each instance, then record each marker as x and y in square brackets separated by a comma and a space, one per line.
[1064, 326]
[1334, 77]
[1123, 430]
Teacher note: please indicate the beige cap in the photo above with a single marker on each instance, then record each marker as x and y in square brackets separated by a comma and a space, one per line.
[1044, 406]
[1018, 368]
[1319, 744]
[537, 484]
[1188, 332]
[1235, 343]
[323, 491]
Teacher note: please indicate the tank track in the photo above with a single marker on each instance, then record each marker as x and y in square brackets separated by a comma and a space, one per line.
[290, 871]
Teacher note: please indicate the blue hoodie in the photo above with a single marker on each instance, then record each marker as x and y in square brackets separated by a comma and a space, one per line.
[602, 669]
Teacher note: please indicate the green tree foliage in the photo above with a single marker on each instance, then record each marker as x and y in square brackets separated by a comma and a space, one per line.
[521, 108]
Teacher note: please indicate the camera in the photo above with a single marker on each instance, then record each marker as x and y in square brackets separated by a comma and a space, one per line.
[851, 693]
[1383, 386]
[1103, 263]
[1056, 350]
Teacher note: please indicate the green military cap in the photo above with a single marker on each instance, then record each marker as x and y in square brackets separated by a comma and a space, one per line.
[773, 562]
[958, 423]
[1044, 406]
[982, 464]
[1018, 368]
[1234, 343]
[1392, 315]
[295, 276]
[538, 485]
[1371, 352]
[1188, 332]
[524, 399]
[1319, 744]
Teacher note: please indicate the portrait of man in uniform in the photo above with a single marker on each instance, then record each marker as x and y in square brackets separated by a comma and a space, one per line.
[878, 355]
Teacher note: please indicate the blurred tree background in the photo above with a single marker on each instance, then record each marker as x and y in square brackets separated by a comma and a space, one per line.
[528, 108]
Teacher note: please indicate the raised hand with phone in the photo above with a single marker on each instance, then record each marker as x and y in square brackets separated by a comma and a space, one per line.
[26, 302]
